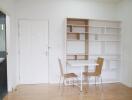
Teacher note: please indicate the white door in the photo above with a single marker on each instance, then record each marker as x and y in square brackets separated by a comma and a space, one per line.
[33, 36]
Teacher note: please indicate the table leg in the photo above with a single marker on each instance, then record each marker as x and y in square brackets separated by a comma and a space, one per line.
[81, 87]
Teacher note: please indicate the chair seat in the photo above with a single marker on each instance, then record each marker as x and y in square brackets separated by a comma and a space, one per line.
[90, 74]
[70, 75]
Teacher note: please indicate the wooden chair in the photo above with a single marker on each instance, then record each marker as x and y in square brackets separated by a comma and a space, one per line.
[66, 76]
[98, 70]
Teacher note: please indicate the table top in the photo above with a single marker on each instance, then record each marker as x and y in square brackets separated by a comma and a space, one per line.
[81, 63]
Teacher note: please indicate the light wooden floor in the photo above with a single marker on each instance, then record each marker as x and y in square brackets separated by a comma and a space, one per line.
[52, 92]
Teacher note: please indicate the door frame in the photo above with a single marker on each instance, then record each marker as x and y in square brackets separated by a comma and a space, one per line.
[18, 49]
[6, 27]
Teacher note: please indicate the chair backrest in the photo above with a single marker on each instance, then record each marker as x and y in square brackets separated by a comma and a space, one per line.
[98, 68]
[61, 67]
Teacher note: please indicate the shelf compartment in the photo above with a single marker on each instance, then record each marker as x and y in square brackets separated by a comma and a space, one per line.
[78, 56]
[96, 30]
[76, 21]
[104, 38]
[75, 47]
[105, 23]
[75, 36]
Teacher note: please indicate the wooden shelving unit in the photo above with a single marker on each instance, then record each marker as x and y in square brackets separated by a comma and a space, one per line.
[76, 56]
[77, 34]
[88, 38]
[104, 40]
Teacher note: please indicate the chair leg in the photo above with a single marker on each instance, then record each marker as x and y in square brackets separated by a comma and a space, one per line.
[60, 82]
[95, 83]
[101, 83]
[63, 85]
[77, 80]
[73, 82]
[95, 80]
[88, 83]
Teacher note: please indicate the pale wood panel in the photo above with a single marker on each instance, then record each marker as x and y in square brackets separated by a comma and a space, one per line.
[52, 92]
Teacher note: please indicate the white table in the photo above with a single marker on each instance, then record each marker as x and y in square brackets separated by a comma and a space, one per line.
[81, 64]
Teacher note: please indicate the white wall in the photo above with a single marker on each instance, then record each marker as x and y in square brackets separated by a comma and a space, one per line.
[7, 6]
[56, 11]
[125, 15]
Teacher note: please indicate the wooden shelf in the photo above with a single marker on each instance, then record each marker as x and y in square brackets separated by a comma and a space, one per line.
[109, 21]
[104, 41]
[75, 25]
[76, 32]
[104, 34]
[105, 27]
[113, 27]
[76, 40]
[78, 54]
[106, 55]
